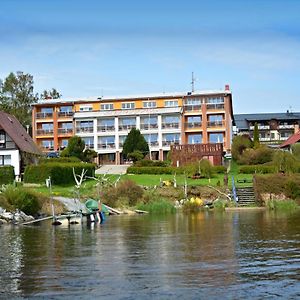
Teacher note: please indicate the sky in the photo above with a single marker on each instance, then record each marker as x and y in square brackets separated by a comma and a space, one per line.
[98, 48]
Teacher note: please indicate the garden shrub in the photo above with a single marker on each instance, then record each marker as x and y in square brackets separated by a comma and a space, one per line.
[219, 169]
[7, 174]
[71, 159]
[284, 162]
[61, 173]
[154, 170]
[256, 156]
[292, 189]
[151, 163]
[239, 144]
[127, 192]
[253, 169]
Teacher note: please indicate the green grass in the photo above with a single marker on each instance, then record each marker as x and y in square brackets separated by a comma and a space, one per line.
[282, 205]
[157, 207]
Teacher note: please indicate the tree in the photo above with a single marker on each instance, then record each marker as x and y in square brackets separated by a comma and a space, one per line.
[135, 142]
[239, 144]
[17, 96]
[284, 162]
[75, 148]
[256, 136]
[51, 94]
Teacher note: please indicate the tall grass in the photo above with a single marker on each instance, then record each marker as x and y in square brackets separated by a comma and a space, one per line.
[157, 207]
[282, 205]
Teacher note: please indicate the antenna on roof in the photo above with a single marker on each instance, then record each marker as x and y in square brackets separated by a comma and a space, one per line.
[193, 82]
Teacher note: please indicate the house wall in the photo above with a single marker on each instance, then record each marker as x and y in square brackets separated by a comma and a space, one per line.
[15, 159]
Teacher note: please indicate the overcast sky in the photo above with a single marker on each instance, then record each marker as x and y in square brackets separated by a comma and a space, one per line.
[92, 48]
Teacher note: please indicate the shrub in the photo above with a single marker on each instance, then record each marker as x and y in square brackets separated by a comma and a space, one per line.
[239, 144]
[151, 163]
[296, 151]
[292, 189]
[287, 205]
[206, 168]
[7, 174]
[219, 169]
[71, 159]
[284, 162]
[125, 193]
[23, 199]
[135, 155]
[259, 155]
[154, 170]
[253, 169]
[61, 173]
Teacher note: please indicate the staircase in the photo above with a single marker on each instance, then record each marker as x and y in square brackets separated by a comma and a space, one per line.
[246, 196]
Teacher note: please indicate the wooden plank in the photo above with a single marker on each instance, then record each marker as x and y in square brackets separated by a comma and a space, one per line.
[113, 210]
[138, 211]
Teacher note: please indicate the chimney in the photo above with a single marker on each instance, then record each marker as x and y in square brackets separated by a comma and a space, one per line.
[296, 128]
[227, 87]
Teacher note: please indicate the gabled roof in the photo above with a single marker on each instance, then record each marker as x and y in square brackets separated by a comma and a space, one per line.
[291, 140]
[18, 134]
[242, 120]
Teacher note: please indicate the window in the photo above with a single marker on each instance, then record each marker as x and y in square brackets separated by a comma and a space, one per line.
[215, 118]
[85, 108]
[127, 121]
[47, 110]
[2, 139]
[89, 141]
[151, 138]
[216, 137]
[195, 139]
[48, 144]
[193, 101]
[171, 137]
[47, 126]
[128, 105]
[5, 160]
[171, 119]
[64, 143]
[68, 125]
[107, 122]
[215, 100]
[107, 106]
[171, 103]
[65, 109]
[149, 104]
[196, 119]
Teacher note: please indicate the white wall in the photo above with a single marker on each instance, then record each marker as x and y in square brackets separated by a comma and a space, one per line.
[15, 159]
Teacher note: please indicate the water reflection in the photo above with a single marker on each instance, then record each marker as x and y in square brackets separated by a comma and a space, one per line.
[208, 254]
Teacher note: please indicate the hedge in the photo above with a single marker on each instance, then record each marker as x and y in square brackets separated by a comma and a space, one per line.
[254, 169]
[151, 163]
[219, 169]
[154, 170]
[45, 160]
[7, 174]
[61, 173]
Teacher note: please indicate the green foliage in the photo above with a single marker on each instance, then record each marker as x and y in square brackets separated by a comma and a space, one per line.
[21, 198]
[135, 155]
[260, 155]
[16, 96]
[59, 160]
[292, 189]
[61, 173]
[206, 168]
[256, 136]
[260, 169]
[220, 204]
[135, 141]
[75, 148]
[89, 155]
[50, 94]
[126, 193]
[154, 170]
[157, 207]
[219, 169]
[284, 162]
[239, 144]
[7, 174]
[296, 151]
[151, 163]
[282, 205]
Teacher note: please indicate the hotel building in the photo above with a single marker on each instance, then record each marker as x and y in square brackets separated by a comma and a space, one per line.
[166, 119]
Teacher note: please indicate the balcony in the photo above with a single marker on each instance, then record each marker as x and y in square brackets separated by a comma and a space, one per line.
[215, 123]
[44, 132]
[107, 146]
[170, 125]
[153, 144]
[169, 143]
[41, 115]
[106, 128]
[192, 125]
[148, 126]
[65, 131]
[219, 106]
[89, 146]
[126, 127]
[84, 129]
[47, 148]
[261, 127]
[65, 114]
[191, 107]
[286, 126]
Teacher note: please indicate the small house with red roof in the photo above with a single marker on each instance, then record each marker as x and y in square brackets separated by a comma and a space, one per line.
[292, 140]
[17, 148]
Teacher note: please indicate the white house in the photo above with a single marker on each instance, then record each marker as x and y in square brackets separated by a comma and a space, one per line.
[16, 146]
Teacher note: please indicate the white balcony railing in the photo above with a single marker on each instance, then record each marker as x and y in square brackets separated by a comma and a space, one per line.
[104, 128]
[106, 146]
[170, 125]
[84, 129]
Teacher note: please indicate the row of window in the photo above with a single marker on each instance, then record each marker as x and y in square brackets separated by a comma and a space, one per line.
[199, 101]
[212, 138]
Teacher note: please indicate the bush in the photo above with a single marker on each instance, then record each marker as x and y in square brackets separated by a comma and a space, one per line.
[61, 173]
[59, 160]
[292, 189]
[256, 156]
[239, 144]
[284, 162]
[296, 151]
[151, 163]
[22, 198]
[135, 155]
[154, 170]
[254, 169]
[287, 205]
[125, 193]
[219, 169]
[7, 174]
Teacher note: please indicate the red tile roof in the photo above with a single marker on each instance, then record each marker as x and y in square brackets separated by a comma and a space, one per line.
[18, 134]
[291, 140]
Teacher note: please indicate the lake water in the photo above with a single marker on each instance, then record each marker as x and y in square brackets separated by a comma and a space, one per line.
[210, 255]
